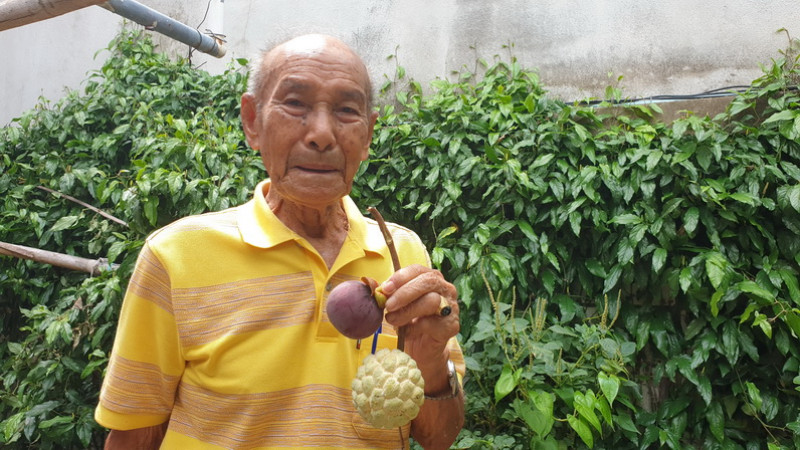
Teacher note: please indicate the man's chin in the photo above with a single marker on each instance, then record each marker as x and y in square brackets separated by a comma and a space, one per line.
[317, 195]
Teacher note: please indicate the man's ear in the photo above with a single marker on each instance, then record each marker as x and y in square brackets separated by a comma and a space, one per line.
[250, 123]
[373, 117]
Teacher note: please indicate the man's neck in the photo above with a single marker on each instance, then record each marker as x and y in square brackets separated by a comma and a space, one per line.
[324, 228]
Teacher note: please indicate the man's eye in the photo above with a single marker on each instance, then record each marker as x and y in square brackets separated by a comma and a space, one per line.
[349, 110]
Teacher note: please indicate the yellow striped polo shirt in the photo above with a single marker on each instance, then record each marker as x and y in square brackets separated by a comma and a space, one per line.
[223, 332]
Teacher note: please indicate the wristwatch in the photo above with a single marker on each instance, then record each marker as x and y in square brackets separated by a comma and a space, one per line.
[452, 379]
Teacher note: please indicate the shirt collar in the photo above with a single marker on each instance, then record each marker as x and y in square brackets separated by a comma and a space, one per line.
[260, 227]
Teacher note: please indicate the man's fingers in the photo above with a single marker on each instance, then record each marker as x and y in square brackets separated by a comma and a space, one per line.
[430, 304]
[436, 328]
[414, 282]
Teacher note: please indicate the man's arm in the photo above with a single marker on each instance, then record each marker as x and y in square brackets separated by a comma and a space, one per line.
[441, 416]
[415, 294]
[148, 438]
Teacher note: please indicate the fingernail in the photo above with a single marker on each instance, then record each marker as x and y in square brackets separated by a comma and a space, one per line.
[388, 287]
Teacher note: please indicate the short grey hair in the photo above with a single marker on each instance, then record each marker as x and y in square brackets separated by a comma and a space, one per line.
[259, 76]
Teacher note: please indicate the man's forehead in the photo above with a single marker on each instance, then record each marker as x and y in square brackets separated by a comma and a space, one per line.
[320, 55]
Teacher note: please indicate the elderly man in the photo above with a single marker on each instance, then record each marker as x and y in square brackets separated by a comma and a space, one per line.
[223, 339]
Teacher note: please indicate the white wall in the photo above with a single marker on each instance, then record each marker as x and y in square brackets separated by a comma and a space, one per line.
[667, 47]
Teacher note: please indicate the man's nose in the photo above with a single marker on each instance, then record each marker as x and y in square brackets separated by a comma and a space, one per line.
[320, 135]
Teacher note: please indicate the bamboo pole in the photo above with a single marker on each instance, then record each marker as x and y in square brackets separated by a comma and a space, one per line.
[91, 266]
[16, 13]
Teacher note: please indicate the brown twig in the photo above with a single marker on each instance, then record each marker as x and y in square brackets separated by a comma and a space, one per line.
[91, 266]
[387, 236]
[85, 205]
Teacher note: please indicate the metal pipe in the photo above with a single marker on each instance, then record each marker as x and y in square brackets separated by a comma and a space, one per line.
[16, 13]
[155, 21]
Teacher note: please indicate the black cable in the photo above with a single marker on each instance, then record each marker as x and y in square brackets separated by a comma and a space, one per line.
[205, 16]
[727, 91]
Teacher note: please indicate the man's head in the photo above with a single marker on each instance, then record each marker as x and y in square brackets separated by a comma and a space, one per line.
[309, 114]
[260, 73]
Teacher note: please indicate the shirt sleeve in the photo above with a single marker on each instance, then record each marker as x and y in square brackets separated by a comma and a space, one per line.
[146, 362]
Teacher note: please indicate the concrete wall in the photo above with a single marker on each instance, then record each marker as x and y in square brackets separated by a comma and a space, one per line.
[668, 47]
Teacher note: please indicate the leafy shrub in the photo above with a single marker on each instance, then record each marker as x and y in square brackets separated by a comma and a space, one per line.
[625, 283]
[693, 225]
[150, 140]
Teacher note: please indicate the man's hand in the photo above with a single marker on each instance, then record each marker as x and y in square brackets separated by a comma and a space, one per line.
[414, 297]
[139, 438]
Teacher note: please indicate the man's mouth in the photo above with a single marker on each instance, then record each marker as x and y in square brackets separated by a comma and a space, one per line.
[317, 169]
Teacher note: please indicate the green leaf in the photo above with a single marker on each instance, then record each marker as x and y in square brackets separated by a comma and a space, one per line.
[626, 219]
[536, 443]
[790, 280]
[12, 427]
[653, 159]
[626, 423]
[754, 395]
[506, 383]
[716, 421]
[716, 268]
[55, 421]
[595, 267]
[42, 408]
[743, 198]
[752, 287]
[659, 258]
[612, 278]
[585, 405]
[703, 385]
[65, 223]
[539, 418]
[583, 430]
[501, 267]
[794, 197]
[151, 210]
[447, 232]
[690, 219]
[730, 343]
[685, 278]
[762, 321]
[793, 320]
[527, 230]
[542, 160]
[783, 115]
[714, 303]
[609, 384]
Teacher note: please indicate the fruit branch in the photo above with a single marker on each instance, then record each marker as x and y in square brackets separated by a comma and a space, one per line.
[387, 236]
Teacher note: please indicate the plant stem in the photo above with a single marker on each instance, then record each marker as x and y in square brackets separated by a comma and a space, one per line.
[387, 236]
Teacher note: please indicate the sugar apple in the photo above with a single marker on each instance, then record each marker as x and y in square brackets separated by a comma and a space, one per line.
[388, 389]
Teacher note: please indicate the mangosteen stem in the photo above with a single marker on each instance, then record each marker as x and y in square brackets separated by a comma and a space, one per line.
[387, 236]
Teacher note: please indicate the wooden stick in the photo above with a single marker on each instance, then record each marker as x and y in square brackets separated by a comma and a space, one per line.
[387, 236]
[85, 205]
[91, 266]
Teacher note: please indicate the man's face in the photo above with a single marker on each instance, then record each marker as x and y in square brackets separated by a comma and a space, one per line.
[313, 127]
